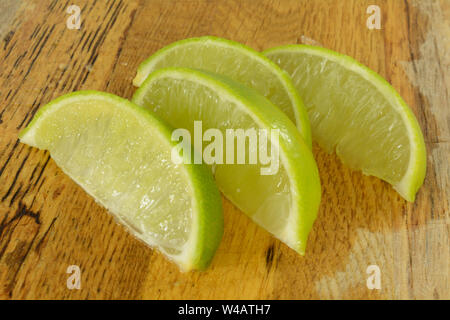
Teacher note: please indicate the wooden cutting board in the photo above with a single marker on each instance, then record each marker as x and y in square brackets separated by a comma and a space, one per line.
[48, 223]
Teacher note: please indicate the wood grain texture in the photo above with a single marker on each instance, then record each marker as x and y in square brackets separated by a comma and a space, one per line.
[48, 223]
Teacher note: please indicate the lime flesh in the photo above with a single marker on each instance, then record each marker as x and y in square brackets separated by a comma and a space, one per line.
[284, 203]
[120, 154]
[356, 113]
[237, 62]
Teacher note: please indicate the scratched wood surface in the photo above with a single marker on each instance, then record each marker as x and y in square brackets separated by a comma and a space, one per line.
[48, 223]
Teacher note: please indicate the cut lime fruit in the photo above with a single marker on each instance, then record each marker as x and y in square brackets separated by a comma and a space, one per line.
[285, 202]
[120, 154]
[237, 62]
[358, 114]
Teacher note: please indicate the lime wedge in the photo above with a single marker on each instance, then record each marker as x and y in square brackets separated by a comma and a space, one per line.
[120, 154]
[357, 113]
[284, 202]
[237, 62]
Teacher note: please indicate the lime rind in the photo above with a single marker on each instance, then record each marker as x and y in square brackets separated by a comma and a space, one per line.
[301, 116]
[207, 220]
[295, 154]
[415, 174]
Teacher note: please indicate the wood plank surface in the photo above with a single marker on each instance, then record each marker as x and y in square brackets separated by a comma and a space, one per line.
[48, 223]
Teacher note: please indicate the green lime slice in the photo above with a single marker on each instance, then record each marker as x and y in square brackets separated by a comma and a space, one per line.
[238, 62]
[356, 113]
[120, 154]
[284, 202]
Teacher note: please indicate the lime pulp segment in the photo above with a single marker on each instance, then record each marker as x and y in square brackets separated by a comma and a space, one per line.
[358, 114]
[237, 62]
[120, 154]
[284, 203]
